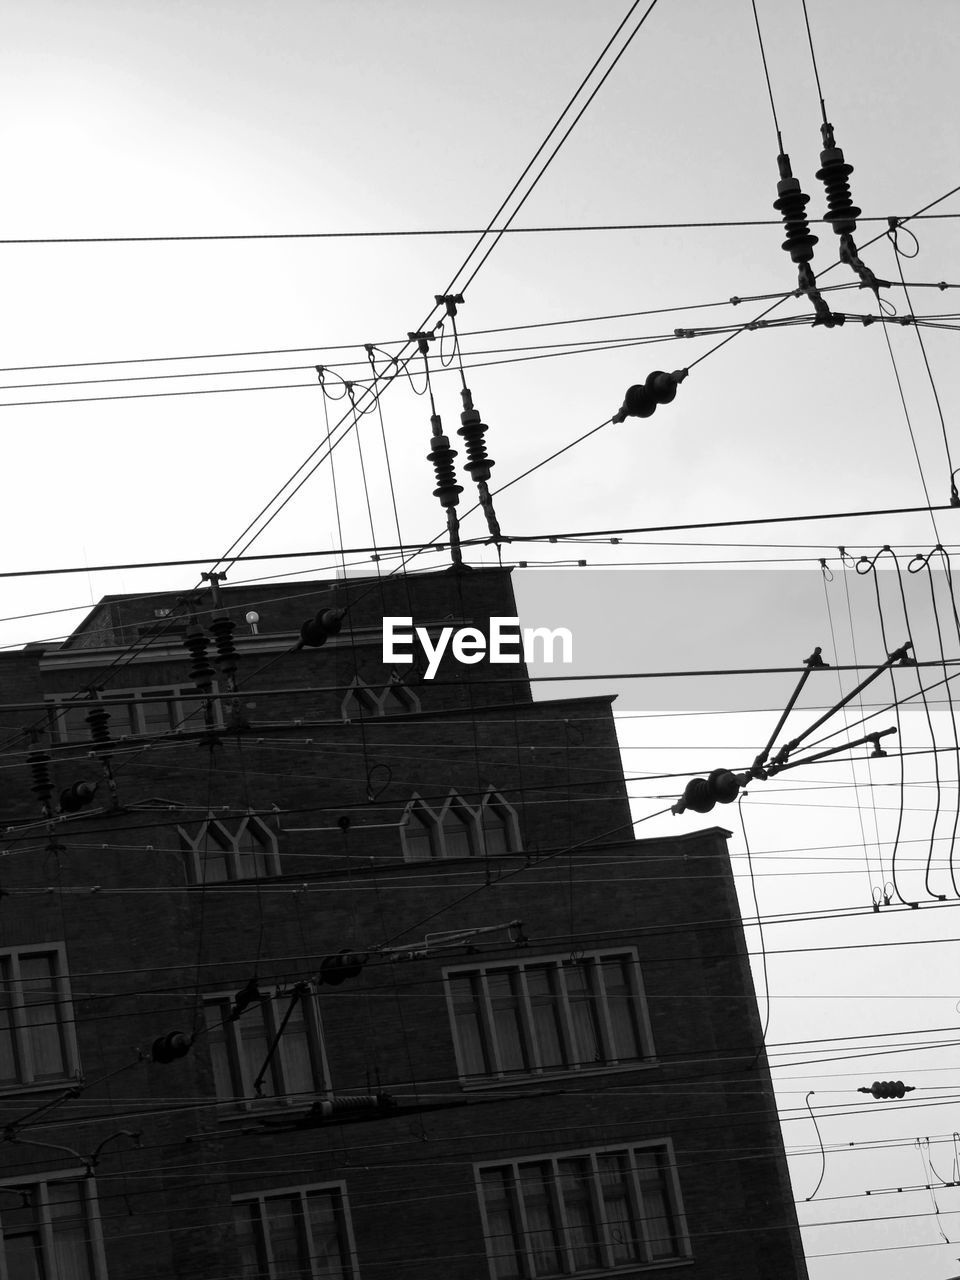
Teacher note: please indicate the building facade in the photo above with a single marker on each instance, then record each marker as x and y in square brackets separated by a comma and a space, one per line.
[316, 968]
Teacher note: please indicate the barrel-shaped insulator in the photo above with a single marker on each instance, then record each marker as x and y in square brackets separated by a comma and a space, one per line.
[889, 1089]
[442, 456]
[353, 1102]
[642, 399]
[719, 787]
[222, 628]
[175, 1044]
[201, 672]
[338, 968]
[78, 794]
[316, 631]
[791, 204]
[841, 213]
[248, 995]
[724, 785]
[698, 796]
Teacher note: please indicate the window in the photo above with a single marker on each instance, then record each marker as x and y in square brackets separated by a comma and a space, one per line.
[498, 821]
[458, 830]
[37, 1042]
[420, 833]
[303, 1233]
[238, 1049]
[220, 851]
[394, 698]
[548, 1015]
[53, 1231]
[582, 1211]
[360, 702]
[136, 712]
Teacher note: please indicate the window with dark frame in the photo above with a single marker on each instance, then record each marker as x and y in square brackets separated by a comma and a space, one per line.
[146, 712]
[302, 1232]
[37, 1043]
[54, 1231]
[568, 1213]
[296, 1073]
[548, 1015]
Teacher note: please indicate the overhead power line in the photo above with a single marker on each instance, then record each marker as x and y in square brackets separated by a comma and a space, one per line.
[384, 549]
[424, 232]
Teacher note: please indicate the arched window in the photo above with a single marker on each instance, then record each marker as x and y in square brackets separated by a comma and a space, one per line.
[420, 833]
[458, 826]
[220, 851]
[397, 698]
[393, 699]
[498, 822]
[360, 702]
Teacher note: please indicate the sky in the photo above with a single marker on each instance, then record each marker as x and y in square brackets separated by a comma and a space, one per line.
[241, 119]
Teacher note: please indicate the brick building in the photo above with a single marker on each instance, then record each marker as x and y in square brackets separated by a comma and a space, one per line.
[339, 972]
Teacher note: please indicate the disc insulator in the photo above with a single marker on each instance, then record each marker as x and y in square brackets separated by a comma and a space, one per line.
[41, 784]
[791, 204]
[97, 718]
[201, 672]
[442, 456]
[222, 628]
[841, 213]
[473, 430]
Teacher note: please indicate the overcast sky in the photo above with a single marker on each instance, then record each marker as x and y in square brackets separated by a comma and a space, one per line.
[218, 119]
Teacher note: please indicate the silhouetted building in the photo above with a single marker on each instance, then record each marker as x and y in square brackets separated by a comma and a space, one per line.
[315, 968]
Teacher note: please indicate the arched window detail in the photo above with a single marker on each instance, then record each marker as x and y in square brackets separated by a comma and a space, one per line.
[458, 827]
[397, 698]
[220, 851]
[420, 832]
[499, 825]
[360, 702]
[393, 699]
[458, 830]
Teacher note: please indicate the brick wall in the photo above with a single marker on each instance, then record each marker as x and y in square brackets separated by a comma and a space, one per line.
[143, 945]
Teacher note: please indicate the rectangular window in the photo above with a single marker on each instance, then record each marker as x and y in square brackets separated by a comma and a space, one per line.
[548, 1015]
[137, 712]
[53, 1231]
[582, 1211]
[303, 1233]
[37, 1042]
[296, 1072]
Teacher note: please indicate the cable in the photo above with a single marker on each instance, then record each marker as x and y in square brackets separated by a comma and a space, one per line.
[324, 552]
[954, 495]
[933, 741]
[766, 74]
[813, 59]
[407, 232]
[462, 287]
